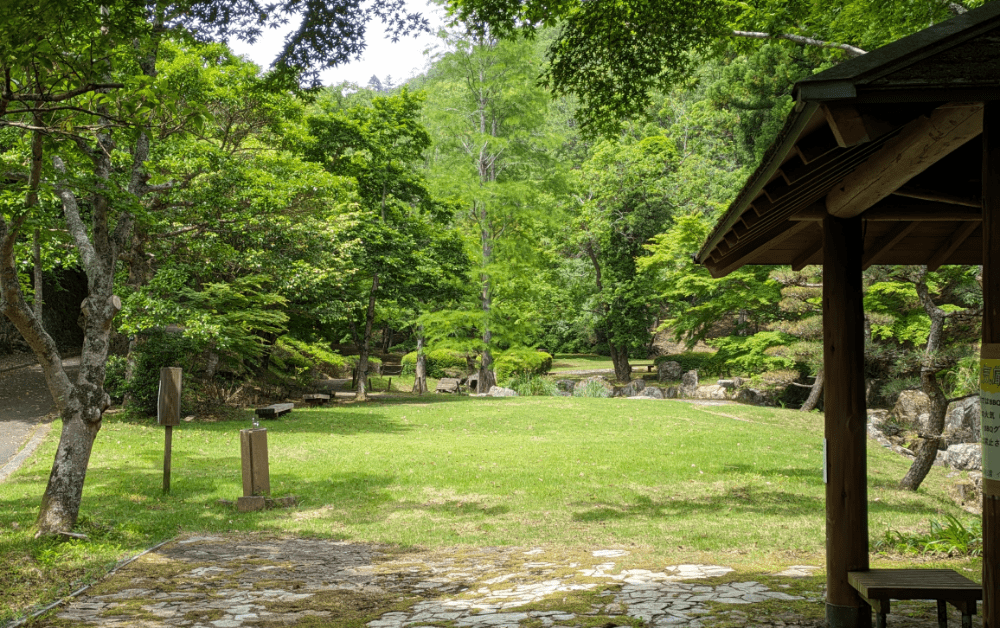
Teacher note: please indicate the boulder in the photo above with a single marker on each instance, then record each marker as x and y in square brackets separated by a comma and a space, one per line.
[963, 420]
[652, 392]
[728, 384]
[448, 385]
[709, 392]
[499, 391]
[689, 381]
[909, 406]
[672, 392]
[565, 385]
[631, 389]
[668, 371]
[751, 396]
[966, 456]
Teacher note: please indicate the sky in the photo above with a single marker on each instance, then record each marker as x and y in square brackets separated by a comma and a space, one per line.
[381, 58]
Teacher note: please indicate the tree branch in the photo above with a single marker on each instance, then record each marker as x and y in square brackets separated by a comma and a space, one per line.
[72, 211]
[849, 50]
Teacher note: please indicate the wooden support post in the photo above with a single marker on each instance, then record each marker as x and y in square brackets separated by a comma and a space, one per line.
[846, 422]
[991, 336]
[168, 413]
[253, 456]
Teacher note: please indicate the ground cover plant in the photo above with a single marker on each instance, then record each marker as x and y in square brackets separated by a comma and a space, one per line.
[670, 481]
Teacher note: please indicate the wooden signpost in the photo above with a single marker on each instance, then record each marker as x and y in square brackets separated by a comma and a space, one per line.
[168, 413]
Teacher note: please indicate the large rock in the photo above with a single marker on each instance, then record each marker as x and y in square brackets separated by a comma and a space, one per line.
[963, 422]
[668, 371]
[630, 389]
[565, 385]
[751, 396]
[689, 381]
[909, 406]
[448, 385]
[651, 392]
[499, 391]
[966, 456]
[708, 392]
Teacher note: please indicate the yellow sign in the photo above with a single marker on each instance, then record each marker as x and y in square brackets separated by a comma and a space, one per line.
[989, 400]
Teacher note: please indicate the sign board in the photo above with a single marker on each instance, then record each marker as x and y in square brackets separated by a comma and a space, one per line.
[168, 399]
[989, 400]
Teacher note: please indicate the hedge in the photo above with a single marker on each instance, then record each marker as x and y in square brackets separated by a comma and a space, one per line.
[521, 360]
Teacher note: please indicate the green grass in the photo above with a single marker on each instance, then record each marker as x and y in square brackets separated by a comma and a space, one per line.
[582, 361]
[668, 480]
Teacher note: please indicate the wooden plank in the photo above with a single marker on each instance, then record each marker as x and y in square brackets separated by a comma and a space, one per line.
[885, 243]
[939, 197]
[274, 410]
[260, 470]
[316, 398]
[957, 238]
[915, 584]
[246, 463]
[845, 420]
[168, 397]
[920, 144]
[846, 124]
[756, 247]
[991, 335]
[803, 258]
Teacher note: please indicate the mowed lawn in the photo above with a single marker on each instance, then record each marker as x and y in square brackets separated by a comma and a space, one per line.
[669, 480]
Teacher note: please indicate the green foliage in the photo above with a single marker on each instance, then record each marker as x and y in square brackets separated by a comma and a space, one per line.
[592, 388]
[950, 537]
[886, 394]
[749, 355]
[157, 349]
[521, 360]
[700, 361]
[440, 363]
[114, 377]
[298, 363]
[531, 385]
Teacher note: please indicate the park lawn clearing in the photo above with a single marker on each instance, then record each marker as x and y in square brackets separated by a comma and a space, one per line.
[563, 362]
[669, 481]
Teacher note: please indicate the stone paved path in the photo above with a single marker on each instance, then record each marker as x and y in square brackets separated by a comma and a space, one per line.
[237, 582]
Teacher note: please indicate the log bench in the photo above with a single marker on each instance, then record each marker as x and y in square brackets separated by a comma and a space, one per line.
[316, 399]
[392, 369]
[274, 410]
[878, 586]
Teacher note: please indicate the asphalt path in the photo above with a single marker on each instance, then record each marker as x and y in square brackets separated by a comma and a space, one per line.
[26, 409]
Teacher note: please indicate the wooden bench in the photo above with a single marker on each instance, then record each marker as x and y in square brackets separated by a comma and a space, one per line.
[878, 586]
[274, 410]
[316, 399]
[650, 367]
[392, 369]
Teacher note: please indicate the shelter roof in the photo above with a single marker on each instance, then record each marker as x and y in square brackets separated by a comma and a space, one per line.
[893, 136]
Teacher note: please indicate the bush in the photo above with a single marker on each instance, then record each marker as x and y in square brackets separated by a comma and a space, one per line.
[298, 363]
[592, 388]
[691, 361]
[748, 355]
[528, 385]
[440, 363]
[156, 350]
[950, 538]
[114, 377]
[521, 360]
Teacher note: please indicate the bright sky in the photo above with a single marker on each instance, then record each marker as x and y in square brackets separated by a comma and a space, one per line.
[400, 60]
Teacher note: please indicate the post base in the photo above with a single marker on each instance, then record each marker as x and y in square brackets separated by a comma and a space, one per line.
[848, 616]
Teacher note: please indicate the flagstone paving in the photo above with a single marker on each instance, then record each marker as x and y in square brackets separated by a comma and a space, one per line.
[237, 582]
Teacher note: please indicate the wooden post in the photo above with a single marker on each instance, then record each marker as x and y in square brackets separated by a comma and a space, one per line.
[168, 414]
[991, 336]
[253, 455]
[846, 419]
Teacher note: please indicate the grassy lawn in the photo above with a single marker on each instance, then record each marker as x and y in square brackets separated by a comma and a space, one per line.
[563, 362]
[668, 480]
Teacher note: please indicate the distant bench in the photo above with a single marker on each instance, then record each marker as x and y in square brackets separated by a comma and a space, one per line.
[878, 586]
[316, 399]
[274, 410]
[392, 369]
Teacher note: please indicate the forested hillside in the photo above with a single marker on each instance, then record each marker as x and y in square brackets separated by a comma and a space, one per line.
[543, 185]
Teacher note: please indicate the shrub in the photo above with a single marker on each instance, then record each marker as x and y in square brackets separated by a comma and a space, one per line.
[528, 385]
[440, 363]
[691, 361]
[298, 363]
[114, 377]
[156, 350]
[592, 388]
[748, 355]
[521, 360]
[950, 538]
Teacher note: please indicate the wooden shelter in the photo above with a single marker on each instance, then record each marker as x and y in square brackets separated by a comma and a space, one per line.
[889, 158]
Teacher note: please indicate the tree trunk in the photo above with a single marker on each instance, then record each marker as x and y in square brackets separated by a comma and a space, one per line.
[38, 300]
[927, 452]
[619, 357]
[362, 372]
[815, 394]
[487, 378]
[420, 381]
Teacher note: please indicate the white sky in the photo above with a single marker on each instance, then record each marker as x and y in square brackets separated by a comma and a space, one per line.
[401, 60]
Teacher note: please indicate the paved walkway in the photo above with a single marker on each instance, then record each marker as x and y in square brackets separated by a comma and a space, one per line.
[253, 581]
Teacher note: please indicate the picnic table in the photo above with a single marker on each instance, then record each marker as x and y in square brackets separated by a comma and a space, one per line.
[878, 586]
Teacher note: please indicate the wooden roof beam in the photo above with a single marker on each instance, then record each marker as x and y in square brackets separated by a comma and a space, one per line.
[920, 144]
[940, 197]
[954, 241]
[885, 243]
[802, 259]
[846, 124]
